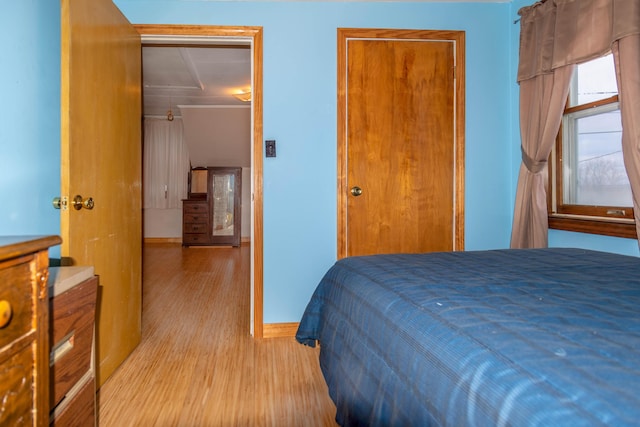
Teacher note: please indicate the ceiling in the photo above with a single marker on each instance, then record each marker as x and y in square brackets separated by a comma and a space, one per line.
[193, 75]
[197, 83]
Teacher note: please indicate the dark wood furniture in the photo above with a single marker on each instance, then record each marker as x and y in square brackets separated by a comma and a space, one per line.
[72, 306]
[211, 213]
[195, 222]
[24, 330]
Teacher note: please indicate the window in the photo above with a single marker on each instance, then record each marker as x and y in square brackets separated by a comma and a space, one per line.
[590, 189]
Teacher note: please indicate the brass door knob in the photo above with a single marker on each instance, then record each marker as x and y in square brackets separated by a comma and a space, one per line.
[356, 191]
[79, 203]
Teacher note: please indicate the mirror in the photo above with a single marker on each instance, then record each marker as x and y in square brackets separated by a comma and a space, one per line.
[198, 182]
[223, 204]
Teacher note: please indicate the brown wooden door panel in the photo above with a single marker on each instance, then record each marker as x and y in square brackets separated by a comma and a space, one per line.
[101, 158]
[398, 142]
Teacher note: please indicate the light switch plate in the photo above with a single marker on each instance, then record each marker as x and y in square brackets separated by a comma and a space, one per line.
[270, 147]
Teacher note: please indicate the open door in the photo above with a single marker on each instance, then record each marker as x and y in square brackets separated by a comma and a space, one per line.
[101, 163]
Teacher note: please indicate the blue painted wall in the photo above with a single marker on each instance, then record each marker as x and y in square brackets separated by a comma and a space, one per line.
[299, 112]
[30, 130]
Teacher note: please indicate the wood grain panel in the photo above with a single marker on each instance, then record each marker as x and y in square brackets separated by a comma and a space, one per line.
[16, 394]
[280, 330]
[72, 320]
[14, 246]
[401, 140]
[197, 365]
[101, 158]
[19, 293]
[24, 339]
[81, 411]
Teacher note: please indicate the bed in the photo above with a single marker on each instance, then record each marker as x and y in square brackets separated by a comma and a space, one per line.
[519, 337]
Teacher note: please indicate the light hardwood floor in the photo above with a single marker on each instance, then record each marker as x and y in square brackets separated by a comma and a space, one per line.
[197, 365]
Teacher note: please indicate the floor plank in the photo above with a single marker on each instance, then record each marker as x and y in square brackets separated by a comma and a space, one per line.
[197, 364]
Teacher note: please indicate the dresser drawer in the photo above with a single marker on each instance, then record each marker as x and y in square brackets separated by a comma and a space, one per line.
[196, 208]
[16, 399]
[79, 410]
[201, 218]
[195, 238]
[17, 294]
[195, 227]
[73, 360]
[73, 316]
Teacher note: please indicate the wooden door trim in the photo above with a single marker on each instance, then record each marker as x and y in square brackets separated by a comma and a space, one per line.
[458, 38]
[255, 33]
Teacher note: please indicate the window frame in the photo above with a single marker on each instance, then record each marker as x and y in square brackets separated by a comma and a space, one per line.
[617, 221]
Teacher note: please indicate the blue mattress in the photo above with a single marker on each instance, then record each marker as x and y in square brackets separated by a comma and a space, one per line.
[546, 337]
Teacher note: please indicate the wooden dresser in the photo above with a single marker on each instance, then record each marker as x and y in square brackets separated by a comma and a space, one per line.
[211, 215]
[24, 330]
[195, 222]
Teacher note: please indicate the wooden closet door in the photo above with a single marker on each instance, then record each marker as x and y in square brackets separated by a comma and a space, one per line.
[400, 142]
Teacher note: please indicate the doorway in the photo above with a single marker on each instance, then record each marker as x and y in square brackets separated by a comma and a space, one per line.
[181, 35]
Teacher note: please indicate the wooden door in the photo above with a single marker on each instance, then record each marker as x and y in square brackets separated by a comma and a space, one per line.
[400, 141]
[101, 159]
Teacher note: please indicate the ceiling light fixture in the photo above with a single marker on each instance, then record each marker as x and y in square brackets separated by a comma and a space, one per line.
[170, 113]
[244, 96]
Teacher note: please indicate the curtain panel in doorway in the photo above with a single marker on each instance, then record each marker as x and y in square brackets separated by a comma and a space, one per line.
[166, 164]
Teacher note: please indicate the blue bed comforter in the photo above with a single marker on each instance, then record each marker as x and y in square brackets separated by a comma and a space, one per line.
[546, 337]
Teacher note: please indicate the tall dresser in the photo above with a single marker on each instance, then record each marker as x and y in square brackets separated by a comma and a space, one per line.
[195, 222]
[211, 214]
[24, 330]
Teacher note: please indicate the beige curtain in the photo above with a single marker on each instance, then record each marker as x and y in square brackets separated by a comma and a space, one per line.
[554, 36]
[542, 101]
[165, 163]
[626, 54]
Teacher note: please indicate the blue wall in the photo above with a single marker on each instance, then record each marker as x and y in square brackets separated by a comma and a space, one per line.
[299, 112]
[30, 131]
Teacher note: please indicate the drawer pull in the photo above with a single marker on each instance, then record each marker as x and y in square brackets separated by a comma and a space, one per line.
[63, 347]
[5, 313]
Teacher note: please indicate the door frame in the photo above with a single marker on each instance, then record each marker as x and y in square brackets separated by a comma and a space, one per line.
[254, 35]
[458, 39]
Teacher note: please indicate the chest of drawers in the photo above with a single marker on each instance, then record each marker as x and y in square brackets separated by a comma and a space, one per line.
[195, 222]
[211, 216]
[24, 330]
